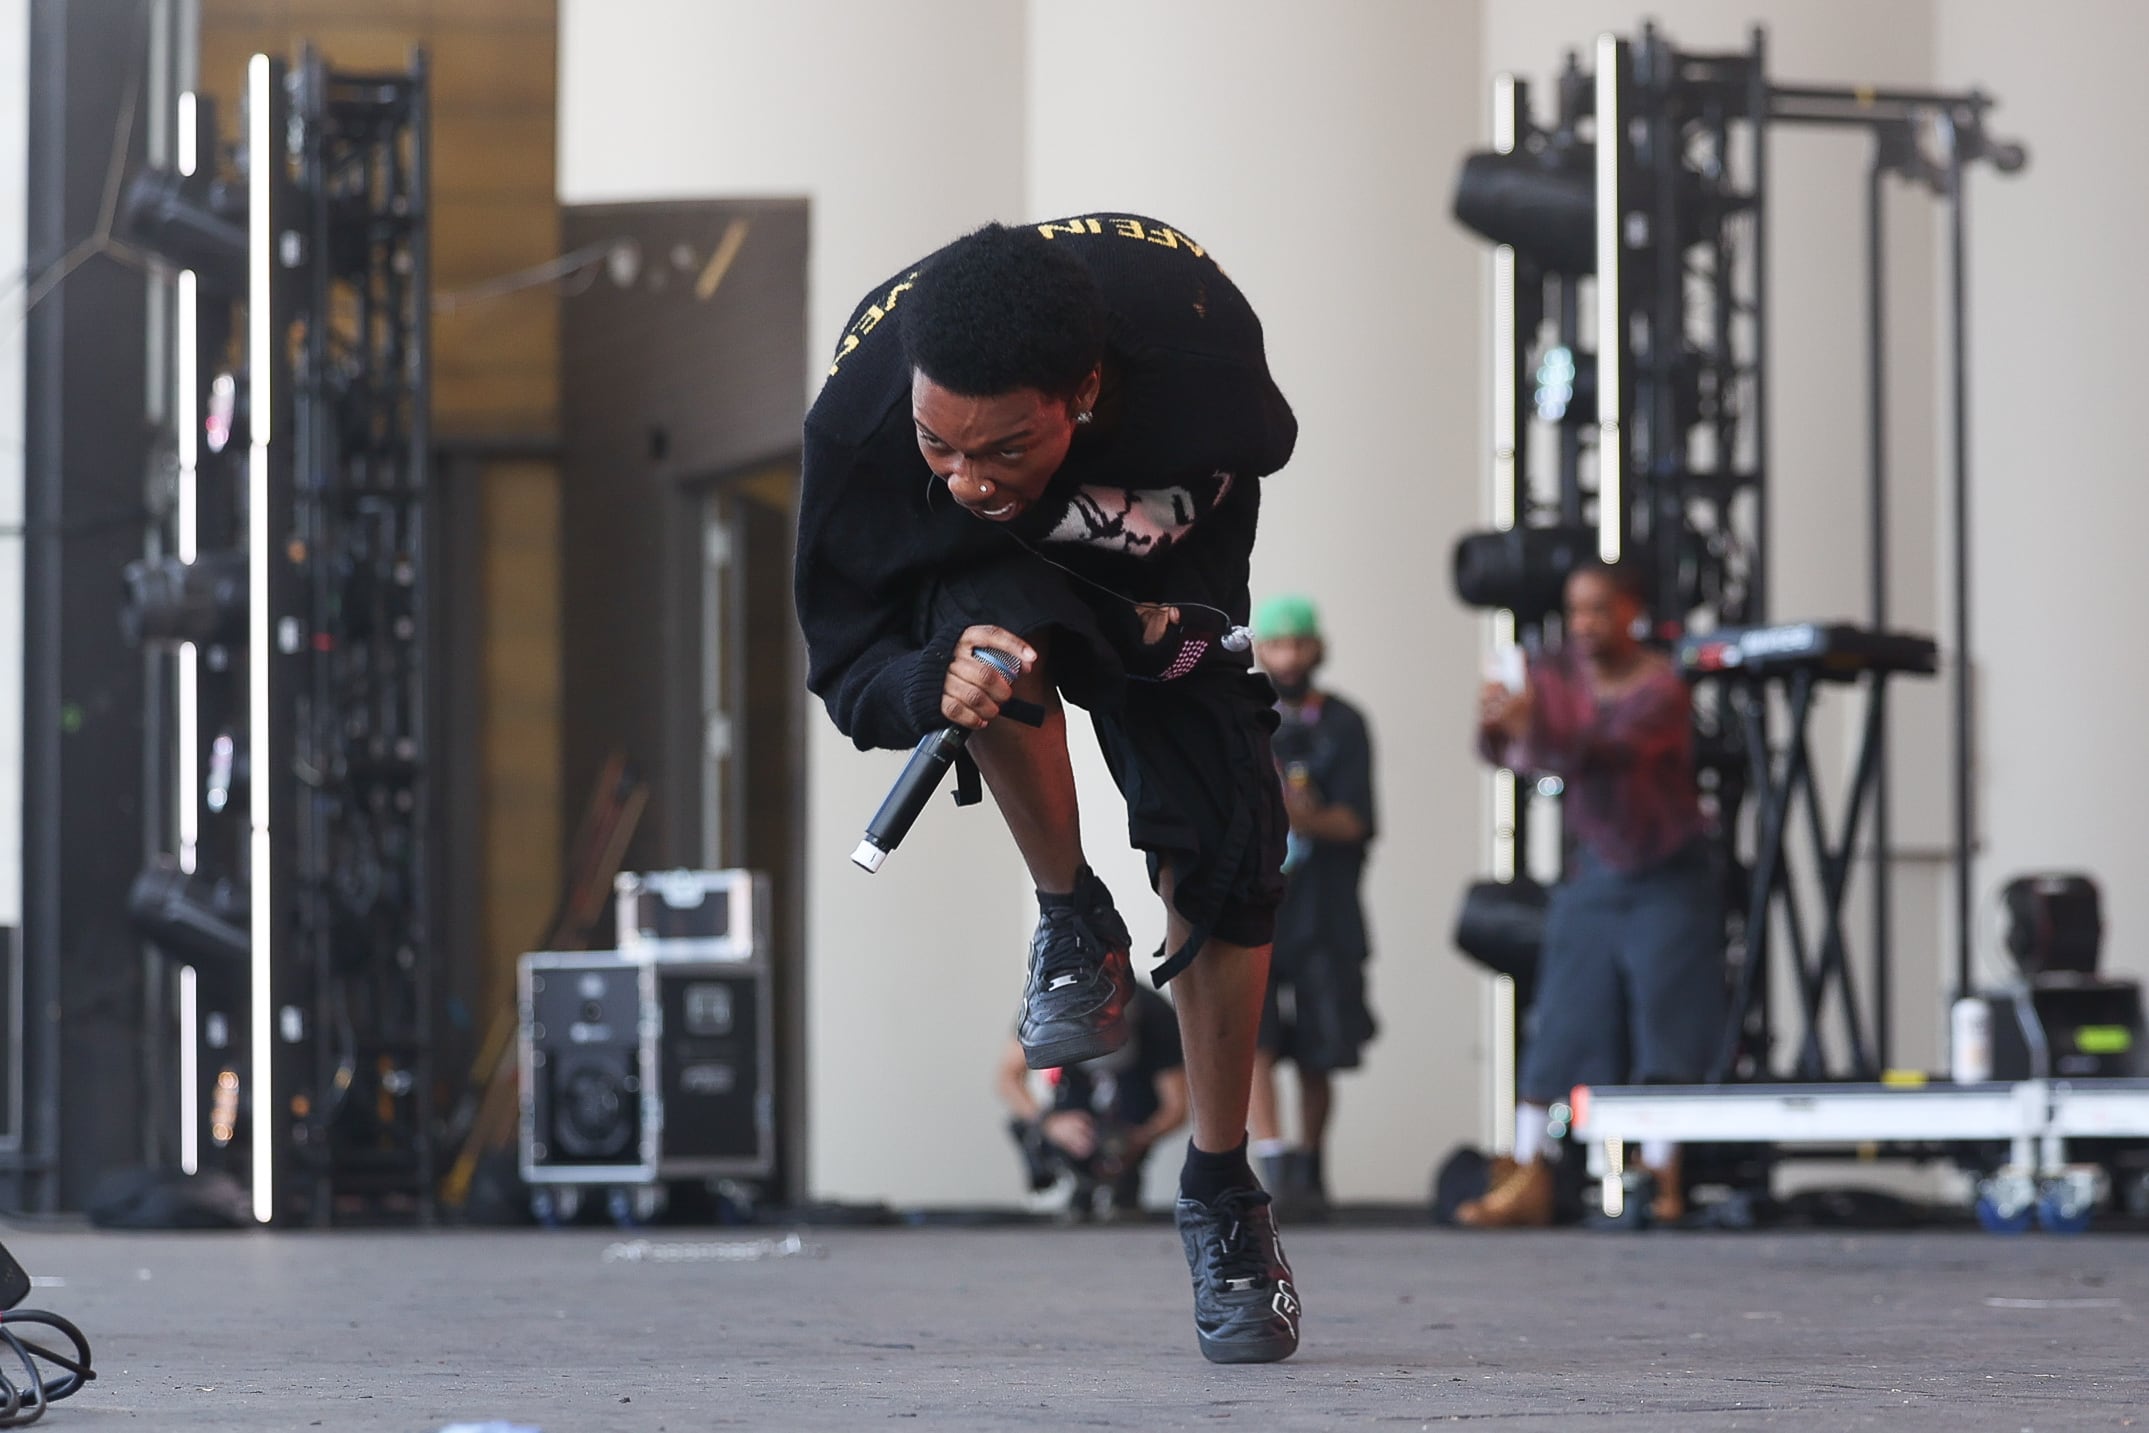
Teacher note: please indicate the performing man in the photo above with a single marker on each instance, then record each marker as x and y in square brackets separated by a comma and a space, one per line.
[1047, 441]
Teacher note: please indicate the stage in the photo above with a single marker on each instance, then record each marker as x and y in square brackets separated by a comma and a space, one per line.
[584, 1331]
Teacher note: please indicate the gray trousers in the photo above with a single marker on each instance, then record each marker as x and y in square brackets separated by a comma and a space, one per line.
[1630, 985]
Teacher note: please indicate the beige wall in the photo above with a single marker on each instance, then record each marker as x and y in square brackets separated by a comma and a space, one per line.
[14, 222]
[2060, 302]
[1290, 151]
[903, 124]
[1313, 148]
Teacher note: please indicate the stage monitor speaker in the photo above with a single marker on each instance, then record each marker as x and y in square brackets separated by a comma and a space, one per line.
[642, 1068]
[2093, 1030]
[585, 1070]
[712, 1028]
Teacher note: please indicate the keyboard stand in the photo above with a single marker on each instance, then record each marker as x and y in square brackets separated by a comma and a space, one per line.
[1822, 968]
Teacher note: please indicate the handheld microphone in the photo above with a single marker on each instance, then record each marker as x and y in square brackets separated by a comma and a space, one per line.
[929, 762]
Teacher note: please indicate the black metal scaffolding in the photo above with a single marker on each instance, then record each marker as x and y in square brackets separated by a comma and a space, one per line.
[351, 810]
[1631, 329]
[296, 903]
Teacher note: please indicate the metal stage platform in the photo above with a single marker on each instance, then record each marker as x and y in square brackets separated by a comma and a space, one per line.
[2035, 1118]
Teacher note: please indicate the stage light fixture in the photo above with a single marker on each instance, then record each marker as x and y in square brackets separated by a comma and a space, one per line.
[1541, 202]
[1523, 570]
[190, 917]
[203, 602]
[190, 222]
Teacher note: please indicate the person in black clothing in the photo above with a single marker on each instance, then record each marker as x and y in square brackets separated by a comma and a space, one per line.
[1100, 1118]
[1047, 440]
[1316, 1016]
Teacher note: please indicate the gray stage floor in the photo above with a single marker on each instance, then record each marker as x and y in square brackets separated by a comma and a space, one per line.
[1053, 1328]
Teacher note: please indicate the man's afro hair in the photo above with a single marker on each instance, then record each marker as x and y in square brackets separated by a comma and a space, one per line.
[1003, 309]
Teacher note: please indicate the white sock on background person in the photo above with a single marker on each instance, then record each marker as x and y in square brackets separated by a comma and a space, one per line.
[1532, 1124]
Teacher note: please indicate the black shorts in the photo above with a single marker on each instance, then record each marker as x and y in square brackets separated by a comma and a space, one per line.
[1190, 755]
[1316, 1015]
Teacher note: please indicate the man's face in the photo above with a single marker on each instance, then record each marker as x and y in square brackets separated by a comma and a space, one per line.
[995, 454]
[1289, 661]
[1600, 618]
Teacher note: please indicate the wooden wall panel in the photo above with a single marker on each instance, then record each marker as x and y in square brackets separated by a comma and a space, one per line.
[519, 741]
[484, 154]
[495, 70]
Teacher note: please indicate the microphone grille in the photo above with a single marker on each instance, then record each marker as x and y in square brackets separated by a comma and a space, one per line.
[999, 661]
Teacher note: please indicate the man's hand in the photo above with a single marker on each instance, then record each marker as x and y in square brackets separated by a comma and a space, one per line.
[1504, 712]
[1156, 621]
[1317, 818]
[1072, 1132]
[1302, 803]
[971, 693]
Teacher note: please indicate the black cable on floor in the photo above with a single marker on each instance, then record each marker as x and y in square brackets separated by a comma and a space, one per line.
[20, 1407]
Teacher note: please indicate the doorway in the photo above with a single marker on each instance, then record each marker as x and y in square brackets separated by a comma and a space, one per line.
[683, 362]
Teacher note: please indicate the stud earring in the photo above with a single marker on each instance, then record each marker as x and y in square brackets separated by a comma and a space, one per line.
[1083, 417]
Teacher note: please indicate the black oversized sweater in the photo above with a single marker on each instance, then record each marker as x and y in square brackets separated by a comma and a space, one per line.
[1198, 420]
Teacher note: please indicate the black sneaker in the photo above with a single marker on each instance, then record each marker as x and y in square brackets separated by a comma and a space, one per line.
[1074, 1007]
[1245, 1304]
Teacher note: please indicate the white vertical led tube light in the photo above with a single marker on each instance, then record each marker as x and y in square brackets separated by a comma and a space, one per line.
[184, 146]
[1611, 333]
[186, 421]
[260, 366]
[186, 417]
[186, 769]
[1499, 1006]
[189, 1071]
[186, 773]
[1506, 456]
[1504, 308]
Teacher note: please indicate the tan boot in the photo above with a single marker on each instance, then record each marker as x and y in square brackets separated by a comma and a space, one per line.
[1523, 1200]
[1669, 1206]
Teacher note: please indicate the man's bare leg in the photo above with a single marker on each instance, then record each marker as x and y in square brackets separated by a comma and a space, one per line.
[1218, 998]
[1081, 975]
[1032, 782]
[1245, 1300]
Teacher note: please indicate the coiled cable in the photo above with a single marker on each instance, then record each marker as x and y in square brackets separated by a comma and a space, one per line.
[24, 1405]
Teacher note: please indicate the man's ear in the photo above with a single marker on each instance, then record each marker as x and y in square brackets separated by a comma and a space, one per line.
[1086, 396]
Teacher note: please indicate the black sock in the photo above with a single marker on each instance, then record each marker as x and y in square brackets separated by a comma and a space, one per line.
[1054, 898]
[1204, 1175]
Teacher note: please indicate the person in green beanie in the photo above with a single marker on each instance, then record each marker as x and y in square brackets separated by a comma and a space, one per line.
[1316, 1014]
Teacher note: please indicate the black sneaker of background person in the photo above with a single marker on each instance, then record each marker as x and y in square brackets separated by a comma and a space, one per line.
[1245, 1304]
[1293, 1180]
[1074, 1005]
